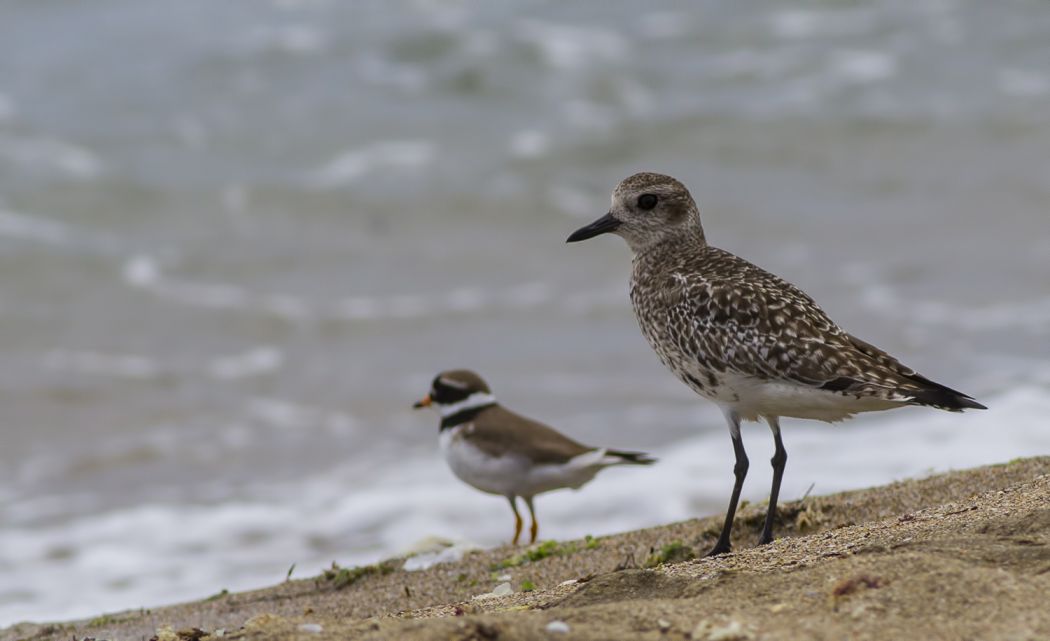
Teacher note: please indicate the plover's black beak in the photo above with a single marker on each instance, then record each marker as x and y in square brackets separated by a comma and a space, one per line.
[603, 225]
[424, 402]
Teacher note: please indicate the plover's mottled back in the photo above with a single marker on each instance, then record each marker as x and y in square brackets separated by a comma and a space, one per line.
[751, 342]
[500, 452]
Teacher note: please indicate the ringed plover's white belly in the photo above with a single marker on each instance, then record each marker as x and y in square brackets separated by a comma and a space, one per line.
[503, 475]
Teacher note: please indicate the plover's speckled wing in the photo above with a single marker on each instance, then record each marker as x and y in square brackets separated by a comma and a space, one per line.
[498, 431]
[736, 317]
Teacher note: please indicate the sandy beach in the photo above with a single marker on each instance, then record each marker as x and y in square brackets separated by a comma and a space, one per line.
[959, 555]
[234, 259]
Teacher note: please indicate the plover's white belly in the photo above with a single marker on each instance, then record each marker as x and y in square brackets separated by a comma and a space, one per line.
[502, 475]
[752, 398]
[512, 474]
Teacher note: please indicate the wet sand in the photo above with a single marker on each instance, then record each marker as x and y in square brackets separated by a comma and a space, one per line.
[958, 555]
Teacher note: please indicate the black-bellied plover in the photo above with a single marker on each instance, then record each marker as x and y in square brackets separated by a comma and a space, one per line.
[751, 342]
[500, 452]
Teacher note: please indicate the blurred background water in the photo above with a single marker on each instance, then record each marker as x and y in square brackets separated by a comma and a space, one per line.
[238, 239]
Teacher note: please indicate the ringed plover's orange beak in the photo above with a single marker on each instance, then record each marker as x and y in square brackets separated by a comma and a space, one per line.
[424, 402]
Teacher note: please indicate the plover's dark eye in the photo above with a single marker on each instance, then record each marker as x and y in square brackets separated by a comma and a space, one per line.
[646, 201]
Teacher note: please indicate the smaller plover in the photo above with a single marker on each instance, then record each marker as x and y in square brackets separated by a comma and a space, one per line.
[499, 452]
[751, 342]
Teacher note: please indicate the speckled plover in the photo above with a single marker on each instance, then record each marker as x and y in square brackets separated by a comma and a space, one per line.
[751, 342]
[500, 452]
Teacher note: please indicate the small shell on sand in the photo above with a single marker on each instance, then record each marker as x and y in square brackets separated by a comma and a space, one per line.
[503, 589]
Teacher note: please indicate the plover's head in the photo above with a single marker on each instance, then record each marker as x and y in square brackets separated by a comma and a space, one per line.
[647, 209]
[455, 391]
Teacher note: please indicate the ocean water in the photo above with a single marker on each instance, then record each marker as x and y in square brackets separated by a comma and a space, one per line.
[238, 240]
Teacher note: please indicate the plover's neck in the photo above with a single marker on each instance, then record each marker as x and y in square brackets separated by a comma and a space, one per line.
[668, 256]
[690, 238]
[465, 410]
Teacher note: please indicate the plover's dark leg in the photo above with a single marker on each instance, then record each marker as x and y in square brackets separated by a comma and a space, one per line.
[740, 471]
[779, 460]
[532, 512]
[517, 519]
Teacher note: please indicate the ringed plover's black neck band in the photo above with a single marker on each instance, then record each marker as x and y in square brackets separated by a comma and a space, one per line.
[462, 417]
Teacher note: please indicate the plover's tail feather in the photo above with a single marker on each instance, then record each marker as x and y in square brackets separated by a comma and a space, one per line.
[918, 389]
[631, 458]
[941, 396]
